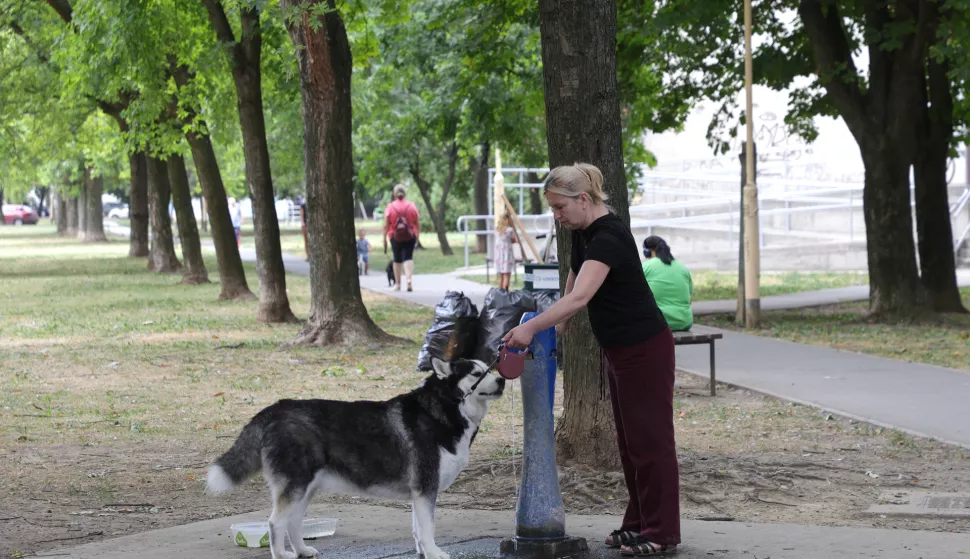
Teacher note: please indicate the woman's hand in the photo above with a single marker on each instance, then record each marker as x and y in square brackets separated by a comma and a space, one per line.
[519, 337]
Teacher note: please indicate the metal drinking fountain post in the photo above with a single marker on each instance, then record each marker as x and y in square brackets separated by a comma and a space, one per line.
[540, 531]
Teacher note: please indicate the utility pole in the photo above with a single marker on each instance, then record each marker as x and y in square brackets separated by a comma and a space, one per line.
[752, 252]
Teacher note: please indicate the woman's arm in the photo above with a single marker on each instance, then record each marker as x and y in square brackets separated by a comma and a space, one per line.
[590, 278]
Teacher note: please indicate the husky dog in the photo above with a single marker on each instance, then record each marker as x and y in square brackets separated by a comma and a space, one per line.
[410, 447]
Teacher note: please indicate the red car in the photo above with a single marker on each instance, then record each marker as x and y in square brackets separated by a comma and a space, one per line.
[17, 214]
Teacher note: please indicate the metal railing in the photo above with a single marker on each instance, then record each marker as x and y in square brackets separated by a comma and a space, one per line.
[540, 224]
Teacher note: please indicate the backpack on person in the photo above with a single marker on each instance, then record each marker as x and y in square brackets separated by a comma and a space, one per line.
[402, 230]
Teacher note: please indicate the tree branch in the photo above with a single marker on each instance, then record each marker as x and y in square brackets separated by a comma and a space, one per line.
[220, 24]
[880, 62]
[833, 58]
[19, 31]
[63, 9]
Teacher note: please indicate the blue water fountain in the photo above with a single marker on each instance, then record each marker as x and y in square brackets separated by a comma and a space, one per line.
[540, 531]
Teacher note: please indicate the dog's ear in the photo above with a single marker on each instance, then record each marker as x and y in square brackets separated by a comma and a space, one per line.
[441, 368]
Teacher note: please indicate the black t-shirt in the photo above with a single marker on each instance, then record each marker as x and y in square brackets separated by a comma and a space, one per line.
[623, 311]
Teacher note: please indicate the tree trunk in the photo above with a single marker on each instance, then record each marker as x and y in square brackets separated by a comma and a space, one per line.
[535, 194]
[71, 217]
[933, 227]
[82, 204]
[274, 305]
[583, 124]
[894, 286]
[161, 254]
[138, 206]
[438, 215]
[194, 272]
[481, 195]
[232, 275]
[60, 211]
[94, 215]
[337, 313]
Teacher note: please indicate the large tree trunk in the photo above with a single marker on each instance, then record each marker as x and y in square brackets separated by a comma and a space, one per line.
[93, 231]
[232, 275]
[274, 305]
[138, 244]
[883, 119]
[71, 216]
[894, 287]
[194, 272]
[583, 124]
[60, 211]
[161, 254]
[933, 227]
[337, 313]
[481, 195]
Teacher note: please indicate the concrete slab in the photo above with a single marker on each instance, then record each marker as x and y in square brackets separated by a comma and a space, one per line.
[921, 503]
[372, 532]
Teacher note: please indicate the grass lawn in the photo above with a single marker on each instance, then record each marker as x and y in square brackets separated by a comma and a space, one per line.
[944, 341]
[712, 286]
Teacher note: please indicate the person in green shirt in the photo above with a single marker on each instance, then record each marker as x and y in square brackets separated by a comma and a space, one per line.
[670, 282]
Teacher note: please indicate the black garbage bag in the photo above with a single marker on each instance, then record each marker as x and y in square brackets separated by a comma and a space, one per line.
[502, 311]
[454, 332]
[545, 298]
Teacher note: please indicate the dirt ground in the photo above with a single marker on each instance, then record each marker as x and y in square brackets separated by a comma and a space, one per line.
[743, 456]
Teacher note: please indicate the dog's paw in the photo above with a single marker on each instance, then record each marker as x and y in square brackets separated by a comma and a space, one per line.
[435, 553]
[285, 555]
[307, 551]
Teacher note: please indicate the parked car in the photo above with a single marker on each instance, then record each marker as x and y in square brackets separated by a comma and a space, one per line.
[119, 212]
[18, 214]
[108, 206]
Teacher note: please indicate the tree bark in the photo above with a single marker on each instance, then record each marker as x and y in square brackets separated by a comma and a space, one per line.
[583, 124]
[933, 227]
[71, 219]
[161, 254]
[60, 211]
[93, 231]
[138, 244]
[480, 195]
[274, 305]
[194, 272]
[337, 312]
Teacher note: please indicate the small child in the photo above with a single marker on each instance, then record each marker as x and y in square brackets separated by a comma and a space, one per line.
[363, 249]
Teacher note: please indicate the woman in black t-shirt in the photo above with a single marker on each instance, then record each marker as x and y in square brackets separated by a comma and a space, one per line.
[637, 354]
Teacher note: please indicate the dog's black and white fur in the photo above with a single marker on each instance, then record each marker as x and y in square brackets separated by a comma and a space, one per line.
[410, 447]
[390, 273]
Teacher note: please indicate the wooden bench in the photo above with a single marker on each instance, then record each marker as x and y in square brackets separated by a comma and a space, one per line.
[692, 338]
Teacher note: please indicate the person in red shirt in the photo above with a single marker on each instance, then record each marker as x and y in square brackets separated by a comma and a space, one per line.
[402, 226]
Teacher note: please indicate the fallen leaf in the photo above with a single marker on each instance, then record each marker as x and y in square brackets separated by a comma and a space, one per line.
[217, 394]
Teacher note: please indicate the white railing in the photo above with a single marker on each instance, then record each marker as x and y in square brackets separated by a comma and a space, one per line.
[540, 224]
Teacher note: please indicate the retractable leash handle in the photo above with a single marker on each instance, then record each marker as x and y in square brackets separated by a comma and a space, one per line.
[511, 362]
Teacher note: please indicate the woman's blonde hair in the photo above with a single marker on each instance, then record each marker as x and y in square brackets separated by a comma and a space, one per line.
[573, 180]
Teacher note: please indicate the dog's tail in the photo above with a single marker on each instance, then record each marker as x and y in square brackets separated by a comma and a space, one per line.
[239, 463]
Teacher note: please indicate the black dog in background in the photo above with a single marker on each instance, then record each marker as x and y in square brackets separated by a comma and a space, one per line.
[390, 273]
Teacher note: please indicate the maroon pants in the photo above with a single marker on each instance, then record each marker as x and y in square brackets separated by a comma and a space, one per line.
[642, 391]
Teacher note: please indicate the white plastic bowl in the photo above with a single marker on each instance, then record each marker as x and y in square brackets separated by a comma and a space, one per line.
[256, 534]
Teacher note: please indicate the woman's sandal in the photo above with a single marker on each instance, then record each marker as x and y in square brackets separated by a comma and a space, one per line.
[618, 538]
[644, 548]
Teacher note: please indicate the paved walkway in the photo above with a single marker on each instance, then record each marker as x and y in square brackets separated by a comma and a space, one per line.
[371, 532]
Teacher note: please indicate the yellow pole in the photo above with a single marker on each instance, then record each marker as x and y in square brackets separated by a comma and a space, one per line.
[498, 191]
[752, 253]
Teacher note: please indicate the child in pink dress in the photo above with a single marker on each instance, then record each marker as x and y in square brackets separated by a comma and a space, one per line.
[504, 255]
